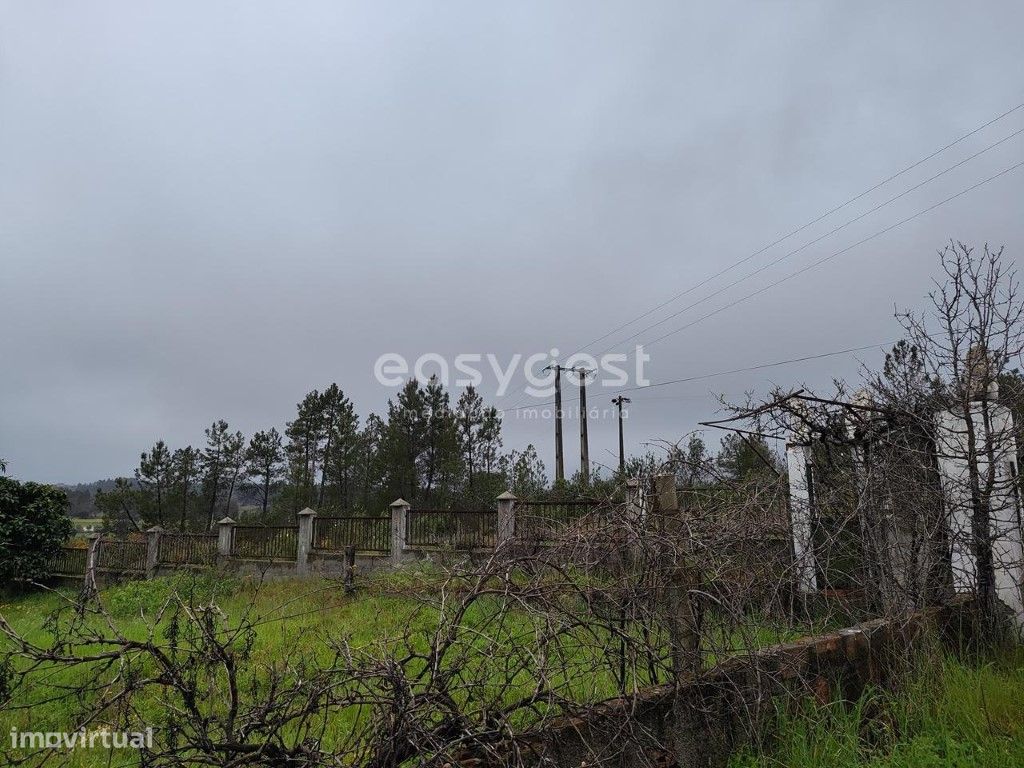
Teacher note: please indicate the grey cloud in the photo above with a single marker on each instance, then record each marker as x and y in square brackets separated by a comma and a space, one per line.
[207, 210]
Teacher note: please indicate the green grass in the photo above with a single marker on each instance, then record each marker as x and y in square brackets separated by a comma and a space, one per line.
[952, 713]
[290, 618]
[295, 619]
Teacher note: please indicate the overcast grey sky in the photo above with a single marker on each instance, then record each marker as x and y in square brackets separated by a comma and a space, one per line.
[208, 209]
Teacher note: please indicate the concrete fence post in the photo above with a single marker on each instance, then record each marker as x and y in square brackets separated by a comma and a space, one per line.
[678, 577]
[634, 500]
[92, 557]
[350, 569]
[801, 516]
[506, 518]
[399, 525]
[634, 514]
[305, 541]
[225, 537]
[153, 550]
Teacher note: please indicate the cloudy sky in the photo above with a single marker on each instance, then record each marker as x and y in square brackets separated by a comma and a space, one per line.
[208, 209]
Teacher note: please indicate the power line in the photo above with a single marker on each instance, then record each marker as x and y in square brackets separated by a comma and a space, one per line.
[703, 376]
[819, 262]
[810, 223]
[762, 366]
[818, 239]
[674, 398]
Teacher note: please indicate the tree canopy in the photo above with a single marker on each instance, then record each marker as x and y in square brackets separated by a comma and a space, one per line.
[33, 525]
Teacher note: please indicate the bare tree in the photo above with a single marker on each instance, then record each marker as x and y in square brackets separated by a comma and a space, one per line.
[968, 339]
[913, 476]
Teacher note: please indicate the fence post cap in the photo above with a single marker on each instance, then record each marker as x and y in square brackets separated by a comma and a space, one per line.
[155, 529]
[226, 521]
[399, 502]
[307, 512]
[507, 496]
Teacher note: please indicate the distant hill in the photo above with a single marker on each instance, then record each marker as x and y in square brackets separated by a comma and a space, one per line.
[103, 485]
[82, 496]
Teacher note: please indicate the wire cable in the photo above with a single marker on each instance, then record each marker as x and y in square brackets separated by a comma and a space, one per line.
[830, 257]
[716, 374]
[819, 262]
[818, 239]
[810, 223]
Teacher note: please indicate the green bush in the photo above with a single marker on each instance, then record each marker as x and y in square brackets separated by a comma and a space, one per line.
[34, 523]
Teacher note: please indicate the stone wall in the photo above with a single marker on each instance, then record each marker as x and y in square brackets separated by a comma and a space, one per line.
[729, 702]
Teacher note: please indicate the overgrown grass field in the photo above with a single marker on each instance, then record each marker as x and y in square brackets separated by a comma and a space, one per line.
[291, 620]
[955, 713]
[959, 715]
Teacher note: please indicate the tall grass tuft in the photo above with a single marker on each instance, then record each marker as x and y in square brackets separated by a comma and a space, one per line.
[952, 712]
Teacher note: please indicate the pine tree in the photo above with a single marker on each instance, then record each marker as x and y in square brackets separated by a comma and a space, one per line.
[440, 457]
[234, 466]
[186, 464]
[155, 476]
[524, 473]
[405, 440]
[694, 465]
[120, 507]
[742, 458]
[345, 443]
[338, 421]
[265, 462]
[213, 465]
[489, 437]
[371, 465]
[305, 436]
[469, 418]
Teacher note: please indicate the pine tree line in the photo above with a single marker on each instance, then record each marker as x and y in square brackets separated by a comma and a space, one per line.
[425, 450]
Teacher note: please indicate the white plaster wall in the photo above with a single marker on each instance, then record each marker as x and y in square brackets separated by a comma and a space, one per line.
[797, 458]
[1005, 523]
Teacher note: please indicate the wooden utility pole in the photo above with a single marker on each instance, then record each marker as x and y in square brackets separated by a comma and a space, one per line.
[584, 440]
[559, 461]
[619, 401]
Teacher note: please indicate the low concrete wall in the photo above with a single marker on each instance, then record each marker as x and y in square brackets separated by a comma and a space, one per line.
[322, 565]
[330, 565]
[726, 704]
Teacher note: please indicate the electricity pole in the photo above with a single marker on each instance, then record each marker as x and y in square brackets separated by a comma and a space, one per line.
[622, 453]
[584, 441]
[559, 462]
